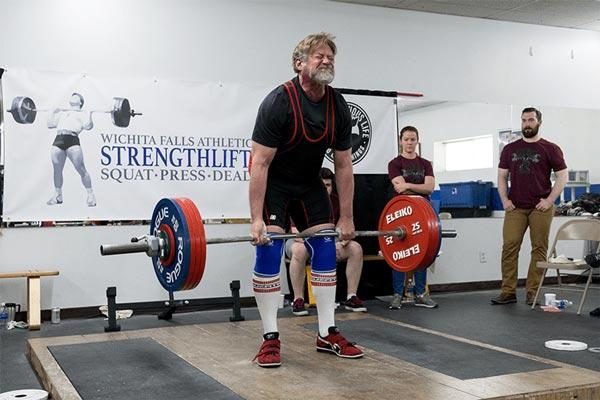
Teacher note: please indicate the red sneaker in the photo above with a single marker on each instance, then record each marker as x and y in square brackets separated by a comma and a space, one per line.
[355, 304]
[269, 353]
[298, 307]
[335, 343]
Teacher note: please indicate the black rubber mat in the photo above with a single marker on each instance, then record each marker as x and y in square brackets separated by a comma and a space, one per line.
[434, 352]
[134, 369]
[512, 326]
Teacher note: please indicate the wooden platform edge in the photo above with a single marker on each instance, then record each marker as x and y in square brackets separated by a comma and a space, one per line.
[43, 363]
[582, 392]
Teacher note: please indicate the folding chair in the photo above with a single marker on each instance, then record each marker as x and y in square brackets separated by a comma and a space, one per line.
[580, 229]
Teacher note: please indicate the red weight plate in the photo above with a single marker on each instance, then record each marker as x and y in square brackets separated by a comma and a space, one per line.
[414, 250]
[435, 233]
[198, 239]
[192, 227]
[433, 230]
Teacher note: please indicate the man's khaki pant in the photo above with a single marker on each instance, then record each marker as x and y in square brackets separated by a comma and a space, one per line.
[515, 225]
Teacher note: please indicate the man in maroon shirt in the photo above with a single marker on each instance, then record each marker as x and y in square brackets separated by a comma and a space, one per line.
[528, 163]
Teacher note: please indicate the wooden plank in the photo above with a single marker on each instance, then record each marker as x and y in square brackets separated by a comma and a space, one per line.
[27, 274]
[34, 313]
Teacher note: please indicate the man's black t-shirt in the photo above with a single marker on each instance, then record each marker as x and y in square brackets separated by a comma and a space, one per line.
[301, 130]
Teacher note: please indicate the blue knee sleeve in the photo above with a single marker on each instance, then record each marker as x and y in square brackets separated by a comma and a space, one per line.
[268, 258]
[323, 252]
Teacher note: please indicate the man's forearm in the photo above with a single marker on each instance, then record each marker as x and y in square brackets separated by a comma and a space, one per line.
[559, 185]
[344, 179]
[345, 185]
[257, 190]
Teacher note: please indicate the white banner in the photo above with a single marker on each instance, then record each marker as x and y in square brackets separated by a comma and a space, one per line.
[191, 140]
[374, 133]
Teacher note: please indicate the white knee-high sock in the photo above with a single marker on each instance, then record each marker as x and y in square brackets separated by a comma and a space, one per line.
[323, 286]
[267, 292]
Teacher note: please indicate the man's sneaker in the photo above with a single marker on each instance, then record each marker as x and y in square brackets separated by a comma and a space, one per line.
[424, 300]
[504, 298]
[298, 307]
[56, 199]
[396, 303]
[269, 353]
[355, 304]
[91, 200]
[335, 343]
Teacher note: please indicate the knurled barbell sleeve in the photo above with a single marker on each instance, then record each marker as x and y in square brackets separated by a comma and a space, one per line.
[112, 249]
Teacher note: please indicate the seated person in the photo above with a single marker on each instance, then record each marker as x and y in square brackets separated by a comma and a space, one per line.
[349, 251]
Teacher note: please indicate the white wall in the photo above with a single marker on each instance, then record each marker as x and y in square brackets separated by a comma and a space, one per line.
[444, 57]
[85, 274]
[250, 41]
[460, 259]
[576, 131]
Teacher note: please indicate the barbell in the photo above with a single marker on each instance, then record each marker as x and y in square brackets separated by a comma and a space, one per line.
[410, 237]
[24, 111]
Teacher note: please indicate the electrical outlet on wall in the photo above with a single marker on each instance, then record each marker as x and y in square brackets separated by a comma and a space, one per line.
[482, 257]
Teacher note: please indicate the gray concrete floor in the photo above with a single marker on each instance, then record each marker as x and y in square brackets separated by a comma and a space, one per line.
[465, 314]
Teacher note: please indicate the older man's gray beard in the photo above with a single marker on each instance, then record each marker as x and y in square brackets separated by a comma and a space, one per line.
[324, 76]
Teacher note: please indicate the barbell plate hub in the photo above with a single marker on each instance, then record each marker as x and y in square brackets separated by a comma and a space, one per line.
[414, 251]
[167, 253]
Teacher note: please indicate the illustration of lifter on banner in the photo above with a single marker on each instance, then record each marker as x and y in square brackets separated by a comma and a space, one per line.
[69, 124]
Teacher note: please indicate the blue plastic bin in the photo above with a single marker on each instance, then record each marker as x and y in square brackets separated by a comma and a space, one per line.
[474, 194]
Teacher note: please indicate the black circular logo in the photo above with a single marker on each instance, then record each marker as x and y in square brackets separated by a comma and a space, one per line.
[361, 134]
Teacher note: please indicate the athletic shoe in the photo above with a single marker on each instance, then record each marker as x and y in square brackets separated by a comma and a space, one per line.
[299, 308]
[269, 355]
[355, 304]
[424, 300]
[504, 298]
[396, 303]
[91, 200]
[55, 200]
[335, 343]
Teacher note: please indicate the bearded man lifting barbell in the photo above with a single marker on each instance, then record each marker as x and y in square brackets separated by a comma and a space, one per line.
[69, 124]
[296, 123]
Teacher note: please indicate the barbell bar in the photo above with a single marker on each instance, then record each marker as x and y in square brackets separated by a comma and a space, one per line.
[24, 111]
[145, 244]
[409, 236]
